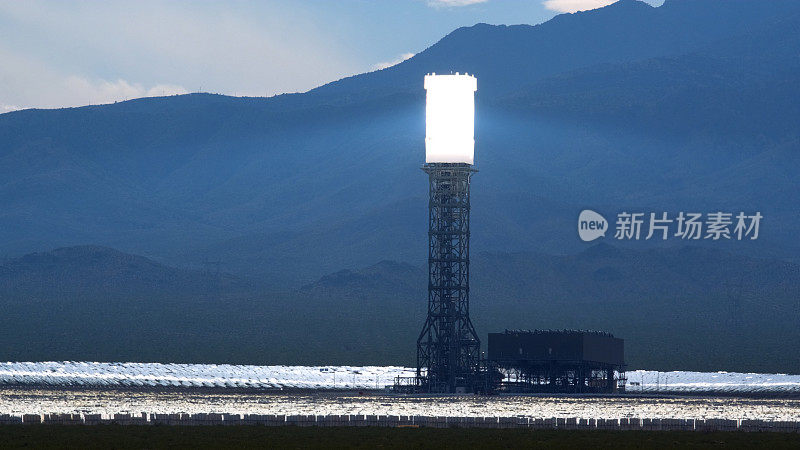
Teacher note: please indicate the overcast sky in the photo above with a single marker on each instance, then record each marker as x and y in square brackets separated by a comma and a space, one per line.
[59, 53]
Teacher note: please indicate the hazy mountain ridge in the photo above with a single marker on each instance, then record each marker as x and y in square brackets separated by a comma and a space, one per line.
[108, 305]
[564, 108]
[384, 277]
[102, 272]
[659, 300]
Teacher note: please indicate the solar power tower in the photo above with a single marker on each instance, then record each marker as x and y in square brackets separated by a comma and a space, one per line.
[448, 348]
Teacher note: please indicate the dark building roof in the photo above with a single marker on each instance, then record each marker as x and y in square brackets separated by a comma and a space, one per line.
[556, 346]
[564, 331]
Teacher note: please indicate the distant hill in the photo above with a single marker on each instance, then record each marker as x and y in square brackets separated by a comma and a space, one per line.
[684, 308]
[100, 271]
[384, 277]
[97, 303]
[691, 105]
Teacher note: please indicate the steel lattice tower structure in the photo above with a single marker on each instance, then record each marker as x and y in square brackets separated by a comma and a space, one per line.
[448, 348]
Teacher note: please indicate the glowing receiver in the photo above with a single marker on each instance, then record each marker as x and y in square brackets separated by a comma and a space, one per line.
[450, 118]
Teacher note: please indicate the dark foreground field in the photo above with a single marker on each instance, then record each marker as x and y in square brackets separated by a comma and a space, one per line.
[116, 436]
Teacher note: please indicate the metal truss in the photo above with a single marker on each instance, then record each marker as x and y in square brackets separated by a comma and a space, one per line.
[448, 348]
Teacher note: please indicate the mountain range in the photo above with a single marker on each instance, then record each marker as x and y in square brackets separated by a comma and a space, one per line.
[690, 106]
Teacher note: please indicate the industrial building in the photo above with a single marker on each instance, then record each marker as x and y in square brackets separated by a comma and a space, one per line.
[566, 361]
[448, 347]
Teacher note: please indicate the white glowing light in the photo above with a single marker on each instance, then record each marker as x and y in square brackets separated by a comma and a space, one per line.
[450, 118]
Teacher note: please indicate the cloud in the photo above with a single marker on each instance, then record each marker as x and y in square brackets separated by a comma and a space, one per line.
[571, 6]
[94, 51]
[8, 108]
[384, 65]
[103, 91]
[449, 3]
[31, 83]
